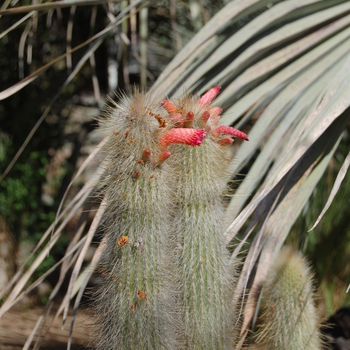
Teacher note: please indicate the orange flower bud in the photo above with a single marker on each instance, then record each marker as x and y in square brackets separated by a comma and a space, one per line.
[146, 155]
[170, 108]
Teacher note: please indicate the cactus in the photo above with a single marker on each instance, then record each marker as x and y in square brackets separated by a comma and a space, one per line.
[160, 195]
[206, 275]
[289, 318]
[135, 301]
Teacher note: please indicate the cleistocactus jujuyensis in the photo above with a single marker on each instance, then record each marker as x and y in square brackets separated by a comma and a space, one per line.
[289, 318]
[206, 275]
[167, 279]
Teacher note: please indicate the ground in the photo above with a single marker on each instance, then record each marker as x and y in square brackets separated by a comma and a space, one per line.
[16, 326]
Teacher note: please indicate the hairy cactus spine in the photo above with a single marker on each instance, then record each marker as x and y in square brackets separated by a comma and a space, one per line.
[135, 302]
[205, 273]
[289, 318]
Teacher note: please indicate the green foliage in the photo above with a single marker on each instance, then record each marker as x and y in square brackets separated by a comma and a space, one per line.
[22, 208]
[2, 300]
[20, 200]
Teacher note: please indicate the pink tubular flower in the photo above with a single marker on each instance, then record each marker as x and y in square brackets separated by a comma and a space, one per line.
[225, 141]
[189, 120]
[207, 128]
[214, 120]
[163, 157]
[229, 131]
[191, 137]
[203, 119]
[209, 96]
[215, 111]
[170, 108]
[177, 120]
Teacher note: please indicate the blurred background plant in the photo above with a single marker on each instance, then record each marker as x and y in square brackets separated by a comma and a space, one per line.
[327, 245]
[284, 71]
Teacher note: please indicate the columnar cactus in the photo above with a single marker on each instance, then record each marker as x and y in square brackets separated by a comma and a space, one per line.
[207, 277]
[167, 275]
[289, 318]
[135, 302]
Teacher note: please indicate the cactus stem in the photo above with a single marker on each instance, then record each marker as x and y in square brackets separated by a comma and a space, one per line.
[289, 317]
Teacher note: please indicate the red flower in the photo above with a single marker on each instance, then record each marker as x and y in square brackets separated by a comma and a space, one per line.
[209, 96]
[191, 137]
[229, 131]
